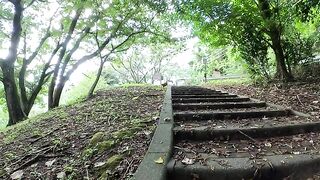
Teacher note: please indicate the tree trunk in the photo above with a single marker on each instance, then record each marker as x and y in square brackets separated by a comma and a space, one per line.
[282, 71]
[16, 113]
[23, 92]
[94, 85]
[274, 31]
[57, 93]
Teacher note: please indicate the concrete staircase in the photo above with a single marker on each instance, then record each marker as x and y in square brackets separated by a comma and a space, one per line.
[217, 135]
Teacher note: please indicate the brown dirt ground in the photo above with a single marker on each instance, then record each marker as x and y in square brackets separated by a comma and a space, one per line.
[303, 97]
[60, 142]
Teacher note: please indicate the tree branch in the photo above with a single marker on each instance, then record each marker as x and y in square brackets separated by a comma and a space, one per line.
[31, 3]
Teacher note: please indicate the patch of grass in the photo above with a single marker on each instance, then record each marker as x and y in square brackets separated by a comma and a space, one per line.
[222, 82]
[3, 124]
[12, 132]
[127, 85]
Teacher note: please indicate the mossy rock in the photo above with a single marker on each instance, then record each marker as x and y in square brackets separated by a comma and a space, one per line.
[96, 138]
[2, 172]
[126, 133]
[87, 153]
[110, 164]
[105, 145]
[122, 134]
[113, 162]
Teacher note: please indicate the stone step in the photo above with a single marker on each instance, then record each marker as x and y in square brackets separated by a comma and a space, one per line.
[203, 96]
[245, 157]
[198, 116]
[265, 168]
[200, 100]
[227, 105]
[202, 133]
[197, 93]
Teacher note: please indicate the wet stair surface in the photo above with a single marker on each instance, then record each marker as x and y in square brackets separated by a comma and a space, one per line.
[224, 136]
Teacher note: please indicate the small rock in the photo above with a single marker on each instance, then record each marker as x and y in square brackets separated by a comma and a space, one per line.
[187, 161]
[17, 175]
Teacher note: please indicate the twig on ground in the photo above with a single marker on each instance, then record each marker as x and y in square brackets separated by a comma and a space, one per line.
[185, 149]
[87, 171]
[299, 100]
[49, 133]
[255, 141]
[128, 168]
[32, 160]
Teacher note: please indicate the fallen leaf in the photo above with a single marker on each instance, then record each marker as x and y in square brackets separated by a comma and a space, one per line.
[99, 164]
[156, 118]
[268, 144]
[297, 139]
[61, 175]
[187, 161]
[50, 163]
[314, 113]
[17, 175]
[147, 133]
[159, 160]
[135, 98]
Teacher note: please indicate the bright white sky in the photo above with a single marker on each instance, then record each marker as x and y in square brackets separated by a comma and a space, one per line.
[182, 59]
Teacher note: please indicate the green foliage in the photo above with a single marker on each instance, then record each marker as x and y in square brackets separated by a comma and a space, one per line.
[79, 91]
[140, 63]
[251, 30]
[216, 62]
[3, 109]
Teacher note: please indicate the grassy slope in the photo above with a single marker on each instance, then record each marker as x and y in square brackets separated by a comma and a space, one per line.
[105, 136]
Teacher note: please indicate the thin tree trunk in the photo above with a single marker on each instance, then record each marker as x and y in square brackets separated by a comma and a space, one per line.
[94, 85]
[274, 31]
[57, 93]
[282, 71]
